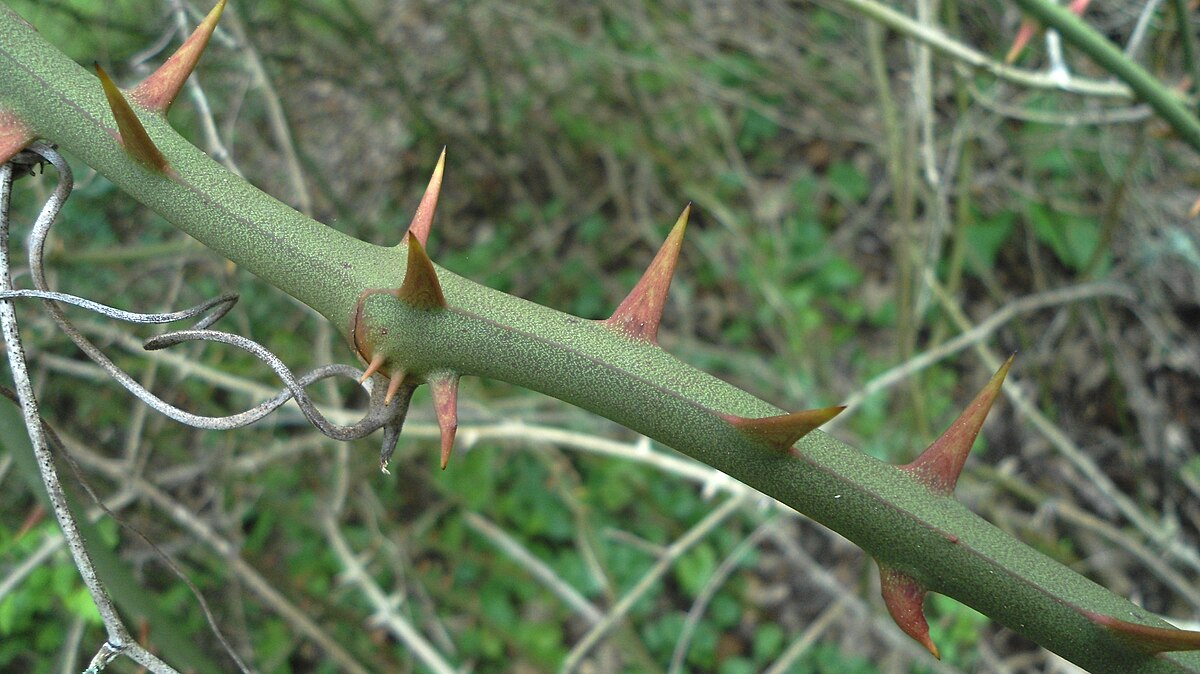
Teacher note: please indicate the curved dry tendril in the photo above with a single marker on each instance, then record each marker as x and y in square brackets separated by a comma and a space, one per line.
[377, 416]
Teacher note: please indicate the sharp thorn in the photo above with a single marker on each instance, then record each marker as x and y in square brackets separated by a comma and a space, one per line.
[421, 288]
[939, 466]
[1024, 35]
[904, 598]
[158, 91]
[785, 430]
[134, 138]
[1029, 27]
[445, 404]
[422, 222]
[1146, 638]
[15, 135]
[376, 363]
[393, 386]
[640, 313]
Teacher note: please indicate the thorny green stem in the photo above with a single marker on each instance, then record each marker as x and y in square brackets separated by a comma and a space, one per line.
[483, 332]
[1168, 104]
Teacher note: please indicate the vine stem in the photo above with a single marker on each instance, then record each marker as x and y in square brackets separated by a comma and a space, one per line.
[119, 640]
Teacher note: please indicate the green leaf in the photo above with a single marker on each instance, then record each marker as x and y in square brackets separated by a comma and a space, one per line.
[695, 568]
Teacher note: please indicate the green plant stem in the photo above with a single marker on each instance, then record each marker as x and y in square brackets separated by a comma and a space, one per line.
[1187, 39]
[484, 332]
[1168, 104]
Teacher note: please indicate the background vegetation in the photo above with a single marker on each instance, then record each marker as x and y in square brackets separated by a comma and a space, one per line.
[860, 204]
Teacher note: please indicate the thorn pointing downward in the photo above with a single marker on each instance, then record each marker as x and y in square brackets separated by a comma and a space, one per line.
[939, 466]
[445, 404]
[393, 386]
[158, 91]
[376, 363]
[641, 311]
[905, 598]
[133, 135]
[785, 430]
[421, 288]
[422, 221]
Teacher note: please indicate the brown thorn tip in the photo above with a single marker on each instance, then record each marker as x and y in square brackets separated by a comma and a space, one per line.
[133, 135]
[158, 91]
[939, 466]
[376, 363]
[15, 135]
[422, 222]
[785, 430]
[640, 313]
[445, 404]
[421, 288]
[393, 386]
[904, 598]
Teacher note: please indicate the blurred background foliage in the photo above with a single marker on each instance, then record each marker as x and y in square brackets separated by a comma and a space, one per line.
[830, 179]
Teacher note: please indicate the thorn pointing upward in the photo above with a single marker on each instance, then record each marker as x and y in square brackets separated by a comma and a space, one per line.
[905, 598]
[422, 221]
[133, 135]
[421, 288]
[939, 466]
[785, 430]
[445, 404]
[158, 91]
[640, 313]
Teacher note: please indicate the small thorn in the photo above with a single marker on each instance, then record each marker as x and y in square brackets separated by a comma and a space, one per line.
[376, 363]
[421, 288]
[133, 135]
[1029, 27]
[1146, 638]
[641, 311]
[1024, 35]
[784, 430]
[422, 221]
[14, 136]
[158, 91]
[445, 403]
[393, 386]
[904, 598]
[939, 466]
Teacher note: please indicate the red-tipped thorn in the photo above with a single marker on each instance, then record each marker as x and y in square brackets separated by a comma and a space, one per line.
[133, 135]
[1146, 638]
[445, 404]
[1029, 27]
[1024, 35]
[393, 387]
[939, 466]
[641, 311]
[14, 136]
[158, 91]
[372, 368]
[905, 599]
[421, 288]
[785, 430]
[422, 221]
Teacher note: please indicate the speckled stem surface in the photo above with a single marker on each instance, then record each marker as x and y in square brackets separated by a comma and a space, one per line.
[487, 333]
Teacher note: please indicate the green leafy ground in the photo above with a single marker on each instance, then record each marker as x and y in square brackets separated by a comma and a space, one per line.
[575, 136]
